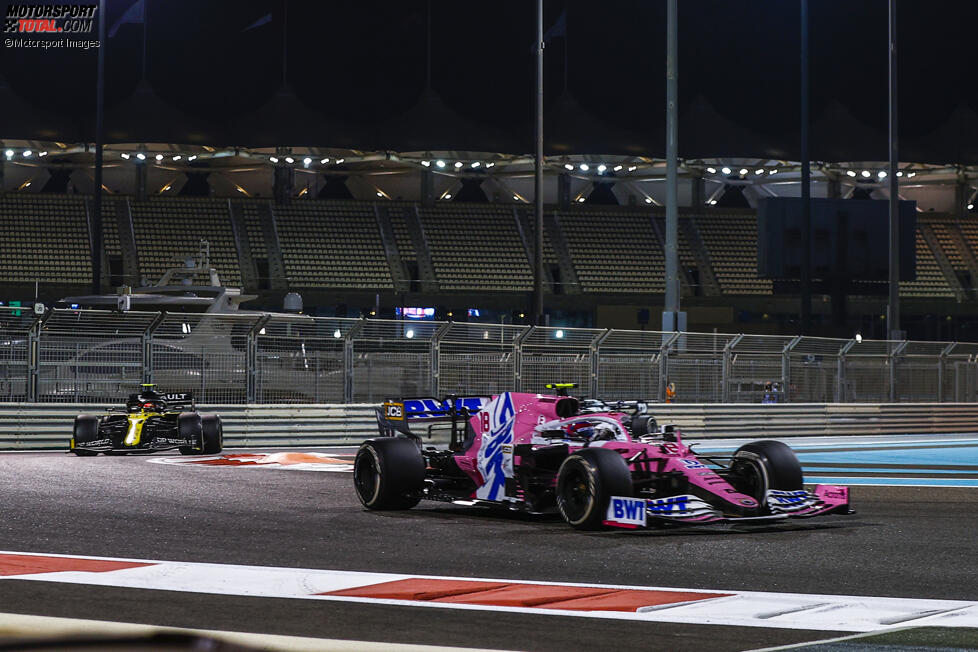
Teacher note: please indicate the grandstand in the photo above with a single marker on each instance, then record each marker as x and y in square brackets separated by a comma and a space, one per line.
[338, 244]
[168, 229]
[45, 239]
[332, 245]
[460, 254]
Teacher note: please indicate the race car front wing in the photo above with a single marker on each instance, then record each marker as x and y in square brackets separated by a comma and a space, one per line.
[628, 512]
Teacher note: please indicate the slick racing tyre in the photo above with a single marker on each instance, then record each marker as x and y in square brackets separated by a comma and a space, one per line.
[586, 482]
[388, 473]
[212, 432]
[766, 464]
[86, 430]
[190, 426]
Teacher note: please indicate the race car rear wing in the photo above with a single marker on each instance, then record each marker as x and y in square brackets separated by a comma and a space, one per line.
[181, 401]
[398, 416]
[173, 401]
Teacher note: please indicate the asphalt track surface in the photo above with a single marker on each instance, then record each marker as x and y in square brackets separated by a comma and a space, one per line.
[914, 542]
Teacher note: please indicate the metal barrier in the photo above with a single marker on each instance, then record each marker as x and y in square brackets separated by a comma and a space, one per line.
[91, 356]
[43, 426]
[38, 426]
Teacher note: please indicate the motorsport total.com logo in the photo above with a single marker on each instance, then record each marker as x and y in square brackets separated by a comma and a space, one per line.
[52, 19]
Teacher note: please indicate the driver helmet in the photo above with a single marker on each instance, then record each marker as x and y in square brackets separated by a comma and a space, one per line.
[604, 432]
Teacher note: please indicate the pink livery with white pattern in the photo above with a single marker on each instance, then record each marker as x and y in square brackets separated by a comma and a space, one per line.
[598, 464]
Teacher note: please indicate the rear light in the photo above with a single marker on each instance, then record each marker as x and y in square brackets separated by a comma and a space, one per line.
[147, 405]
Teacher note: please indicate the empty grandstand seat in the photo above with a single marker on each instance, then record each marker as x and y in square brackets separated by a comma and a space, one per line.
[168, 230]
[46, 239]
[332, 244]
[476, 247]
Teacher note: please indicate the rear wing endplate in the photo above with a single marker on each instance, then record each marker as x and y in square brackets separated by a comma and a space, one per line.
[398, 416]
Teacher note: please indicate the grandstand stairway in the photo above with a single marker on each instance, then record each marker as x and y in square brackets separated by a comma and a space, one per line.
[561, 249]
[527, 233]
[239, 227]
[943, 261]
[426, 270]
[399, 274]
[273, 248]
[709, 286]
[967, 253]
[127, 241]
[686, 281]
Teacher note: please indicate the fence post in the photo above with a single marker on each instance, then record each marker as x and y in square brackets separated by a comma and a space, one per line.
[892, 361]
[664, 363]
[596, 359]
[840, 390]
[941, 362]
[348, 360]
[518, 358]
[34, 357]
[148, 346]
[251, 370]
[786, 368]
[434, 353]
[725, 365]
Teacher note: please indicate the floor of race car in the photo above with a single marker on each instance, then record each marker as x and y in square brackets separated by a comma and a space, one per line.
[170, 533]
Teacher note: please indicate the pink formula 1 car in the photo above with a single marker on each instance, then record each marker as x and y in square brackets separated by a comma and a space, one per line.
[597, 464]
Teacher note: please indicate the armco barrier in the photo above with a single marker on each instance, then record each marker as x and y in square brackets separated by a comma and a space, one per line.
[34, 426]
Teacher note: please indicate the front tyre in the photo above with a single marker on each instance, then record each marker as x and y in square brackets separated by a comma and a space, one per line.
[389, 473]
[586, 482]
[85, 431]
[766, 464]
[190, 426]
[212, 433]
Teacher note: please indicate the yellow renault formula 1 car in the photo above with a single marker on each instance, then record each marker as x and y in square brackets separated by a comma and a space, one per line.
[150, 422]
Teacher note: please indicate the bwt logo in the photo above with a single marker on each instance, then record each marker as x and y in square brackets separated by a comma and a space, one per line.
[72, 19]
[629, 511]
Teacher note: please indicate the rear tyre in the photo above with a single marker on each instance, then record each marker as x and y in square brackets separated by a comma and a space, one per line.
[766, 464]
[586, 482]
[189, 426]
[388, 473]
[212, 433]
[86, 430]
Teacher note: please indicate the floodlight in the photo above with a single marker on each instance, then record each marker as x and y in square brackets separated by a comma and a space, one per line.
[725, 170]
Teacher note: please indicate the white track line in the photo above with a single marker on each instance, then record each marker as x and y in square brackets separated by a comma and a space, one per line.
[737, 608]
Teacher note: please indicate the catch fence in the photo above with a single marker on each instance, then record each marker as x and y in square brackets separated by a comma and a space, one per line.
[93, 356]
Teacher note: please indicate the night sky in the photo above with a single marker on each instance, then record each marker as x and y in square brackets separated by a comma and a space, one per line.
[356, 77]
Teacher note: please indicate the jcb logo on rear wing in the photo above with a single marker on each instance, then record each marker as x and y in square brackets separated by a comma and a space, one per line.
[394, 411]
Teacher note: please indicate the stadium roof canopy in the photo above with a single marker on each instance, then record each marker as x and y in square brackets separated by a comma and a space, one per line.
[365, 76]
